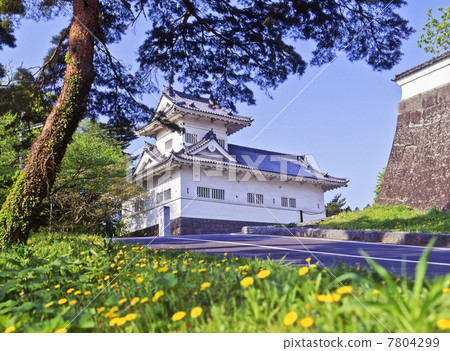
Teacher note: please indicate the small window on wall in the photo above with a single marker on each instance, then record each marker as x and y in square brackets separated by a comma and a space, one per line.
[159, 197]
[203, 192]
[168, 145]
[218, 194]
[259, 199]
[293, 203]
[167, 194]
[139, 205]
[221, 142]
[284, 202]
[190, 138]
[255, 198]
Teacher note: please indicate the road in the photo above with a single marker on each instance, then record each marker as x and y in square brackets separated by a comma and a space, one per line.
[396, 258]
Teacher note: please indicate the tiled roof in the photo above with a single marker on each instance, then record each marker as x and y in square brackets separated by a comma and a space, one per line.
[270, 161]
[422, 66]
[191, 102]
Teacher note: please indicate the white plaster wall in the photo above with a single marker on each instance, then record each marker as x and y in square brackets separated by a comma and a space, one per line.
[149, 217]
[202, 126]
[163, 136]
[309, 198]
[426, 79]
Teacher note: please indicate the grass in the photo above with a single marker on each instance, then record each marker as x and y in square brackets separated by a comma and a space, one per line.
[108, 286]
[391, 218]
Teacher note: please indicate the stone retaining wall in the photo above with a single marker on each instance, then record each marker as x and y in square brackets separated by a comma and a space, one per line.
[405, 238]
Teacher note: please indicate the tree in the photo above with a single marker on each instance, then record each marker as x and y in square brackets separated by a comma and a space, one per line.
[91, 186]
[336, 205]
[210, 46]
[380, 178]
[436, 38]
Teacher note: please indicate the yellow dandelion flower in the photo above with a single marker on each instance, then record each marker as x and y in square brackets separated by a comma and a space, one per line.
[113, 321]
[247, 281]
[144, 300]
[202, 270]
[326, 298]
[100, 287]
[112, 265]
[70, 290]
[174, 272]
[21, 293]
[335, 297]
[201, 261]
[49, 304]
[375, 291]
[218, 265]
[304, 270]
[227, 269]
[139, 280]
[121, 321]
[290, 318]
[178, 316]
[122, 301]
[308, 306]
[263, 274]
[10, 329]
[87, 293]
[345, 290]
[157, 295]
[313, 266]
[308, 259]
[114, 309]
[106, 278]
[61, 331]
[205, 285]
[78, 292]
[446, 290]
[130, 316]
[73, 302]
[196, 311]
[134, 301]
[57, 286]
[62, 301]
[443, 324]
[306, 322]
[100, 310]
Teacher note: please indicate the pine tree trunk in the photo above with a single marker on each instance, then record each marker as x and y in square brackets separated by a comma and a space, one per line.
[24, 203]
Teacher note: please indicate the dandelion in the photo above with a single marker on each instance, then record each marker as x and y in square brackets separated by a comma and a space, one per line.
[139, 280]
[130, 316]
[21, 293]
[49, 304]
[134, 301]
[112, 265]
[106, 278]
[446, 290]
[196, 311]
[73, 302]
[304, 270]
[308, 259]
[157, 295]
[345, 290]
[202, 270]
[61, 331]
[443, 324]
[227, 269]
[375, 291]
[57, 286]
[100, 310]
[263, 274]
[70, 290]
[178, 316]
[306, 322]
[144, 300]
[121, 321]
[335, 297]
[290, 318]
[205, 286]
[100, 287]
[313, 266]
[247, 281]
[113, 309]
[62, 301]
[113, 321]
[87, 293]
[10, 329]
[122, 301]
[78, 292]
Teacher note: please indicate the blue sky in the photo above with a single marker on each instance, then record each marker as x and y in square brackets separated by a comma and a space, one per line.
[346, 117]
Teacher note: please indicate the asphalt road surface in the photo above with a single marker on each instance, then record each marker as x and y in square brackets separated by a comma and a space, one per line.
[400, 259]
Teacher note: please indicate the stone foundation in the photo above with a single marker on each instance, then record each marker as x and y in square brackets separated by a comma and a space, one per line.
[189, 226]
[418, 172]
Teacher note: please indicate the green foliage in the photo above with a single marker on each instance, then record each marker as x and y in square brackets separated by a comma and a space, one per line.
[380, 178]
[336, 205]
[392, 218]
[436, 36]
[46, 284]
[90, 186]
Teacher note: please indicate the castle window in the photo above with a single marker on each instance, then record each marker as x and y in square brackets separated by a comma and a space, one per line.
[255, 198]
[167, 194]
[203, 192]
[293, 203]
[218, 194]
[190, 138]
[221, 142]
[139, 205]
[159, 197]
[284, 202]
